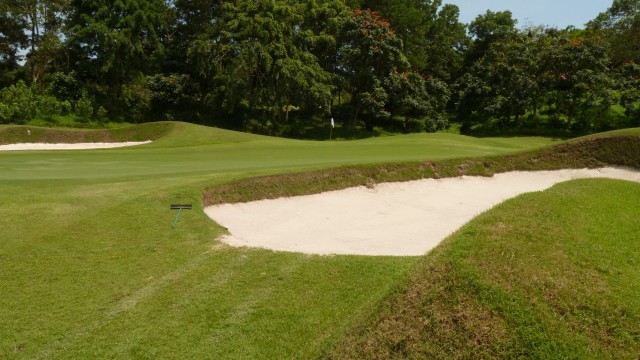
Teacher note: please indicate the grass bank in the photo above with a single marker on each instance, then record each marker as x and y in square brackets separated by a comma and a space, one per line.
[620, 148]
[34, 134]
[546, 275]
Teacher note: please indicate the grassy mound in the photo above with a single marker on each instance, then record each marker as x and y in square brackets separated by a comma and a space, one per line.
[34, 134]
[554, 274]
[186, 134]
[615, 148]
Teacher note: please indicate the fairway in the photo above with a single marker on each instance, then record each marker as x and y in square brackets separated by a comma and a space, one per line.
[194, 151]
[92, 268]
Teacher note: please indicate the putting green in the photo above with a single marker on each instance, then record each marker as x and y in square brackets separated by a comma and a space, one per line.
[186, 153]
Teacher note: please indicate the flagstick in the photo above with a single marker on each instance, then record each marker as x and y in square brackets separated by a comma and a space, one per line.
[331, 125]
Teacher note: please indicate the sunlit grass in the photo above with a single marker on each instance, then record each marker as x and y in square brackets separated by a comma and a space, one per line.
[91, 268]
[546, 275]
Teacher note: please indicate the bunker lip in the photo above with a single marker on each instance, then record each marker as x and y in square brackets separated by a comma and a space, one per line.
[70, 146]
[391, 219]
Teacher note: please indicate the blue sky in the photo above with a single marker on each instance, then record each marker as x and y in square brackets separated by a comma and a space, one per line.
[556, 13]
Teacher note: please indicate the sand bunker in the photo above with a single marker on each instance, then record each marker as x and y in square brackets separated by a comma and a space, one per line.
[396, 219]
[77, 146]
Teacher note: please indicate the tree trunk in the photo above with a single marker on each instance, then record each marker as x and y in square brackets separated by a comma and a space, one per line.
[34, 27]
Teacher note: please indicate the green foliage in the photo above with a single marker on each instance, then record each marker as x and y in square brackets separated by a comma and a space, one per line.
[18, 104]
[630, 99]
[84, 108]
[11, 27]
[415, 97]
[405, 65]
[432, 36]
[274, 66]
[521, 72]
[486, 29]
[49, 107]
[114, 41]
[41, 22]
[582, 82]
[370, 53]
[65, 86]
[620, 24]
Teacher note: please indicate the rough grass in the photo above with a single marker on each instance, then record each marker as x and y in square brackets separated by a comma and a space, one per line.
[546, 275]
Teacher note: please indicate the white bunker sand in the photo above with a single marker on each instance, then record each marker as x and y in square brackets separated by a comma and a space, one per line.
[395, 219]
[76, 146]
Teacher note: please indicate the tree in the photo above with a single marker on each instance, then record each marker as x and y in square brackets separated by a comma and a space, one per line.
[43, 21]
[12, 38]
[414, 97]
[17, 104]
[325, 19]
[114, 42]
[193, 20]
[520, 71]
[432, 37]
[630, 99]
[259, 62]
[12, 35]
[370, 52]
[621, 25]
[486, 29]
[510, 73]
[497, 79]
[580, 69]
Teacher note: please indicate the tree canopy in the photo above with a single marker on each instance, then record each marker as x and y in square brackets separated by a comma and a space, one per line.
[283, 67]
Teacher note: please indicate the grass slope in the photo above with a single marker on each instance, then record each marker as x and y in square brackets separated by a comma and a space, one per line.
[546, 275]
[190, 150]
[92, 269]
[621, 148]
[33, 134]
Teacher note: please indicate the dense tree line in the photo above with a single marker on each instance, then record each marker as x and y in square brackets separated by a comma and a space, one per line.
[283, 66]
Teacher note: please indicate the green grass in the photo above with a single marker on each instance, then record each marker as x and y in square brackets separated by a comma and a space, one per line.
[199, 151]
[547, 275]
[11, 134]
[90, 267]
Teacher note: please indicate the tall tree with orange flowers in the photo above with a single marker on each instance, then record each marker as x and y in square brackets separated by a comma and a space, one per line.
[370, 52]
